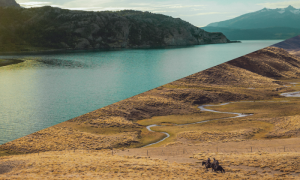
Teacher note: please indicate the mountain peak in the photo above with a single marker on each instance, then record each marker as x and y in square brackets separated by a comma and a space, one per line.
[290, 7]
[288, 17]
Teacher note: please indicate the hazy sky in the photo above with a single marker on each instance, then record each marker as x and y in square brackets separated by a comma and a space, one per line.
[198, 12]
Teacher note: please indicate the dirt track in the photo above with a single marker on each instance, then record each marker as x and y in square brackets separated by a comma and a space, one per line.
[182, 151]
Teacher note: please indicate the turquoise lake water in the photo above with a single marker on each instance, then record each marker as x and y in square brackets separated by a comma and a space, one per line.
[51, 88]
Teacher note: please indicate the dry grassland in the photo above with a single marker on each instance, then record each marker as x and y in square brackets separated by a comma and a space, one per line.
[259, 165]
[295, 52]
[103, 165]
[60, 138]
[95, 165]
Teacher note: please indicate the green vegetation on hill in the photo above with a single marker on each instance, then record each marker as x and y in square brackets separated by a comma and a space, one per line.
[54, 28]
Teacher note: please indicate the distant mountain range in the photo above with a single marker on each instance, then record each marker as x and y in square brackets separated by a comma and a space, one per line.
[280, 23]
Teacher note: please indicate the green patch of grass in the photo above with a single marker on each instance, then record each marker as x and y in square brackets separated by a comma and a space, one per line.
[205, 88]
[182, 119]
[148, 137]
[215, 126]
[145, 137]
[264, 109]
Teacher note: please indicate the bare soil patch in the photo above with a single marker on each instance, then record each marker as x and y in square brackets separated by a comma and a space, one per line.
[8, 165]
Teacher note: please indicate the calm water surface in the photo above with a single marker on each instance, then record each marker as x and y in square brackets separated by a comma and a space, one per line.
[48, 89]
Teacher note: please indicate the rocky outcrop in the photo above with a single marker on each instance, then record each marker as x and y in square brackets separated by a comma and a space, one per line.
[56, 28]
[7, 3]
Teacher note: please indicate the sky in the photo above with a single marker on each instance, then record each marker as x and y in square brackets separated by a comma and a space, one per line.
[198, 12]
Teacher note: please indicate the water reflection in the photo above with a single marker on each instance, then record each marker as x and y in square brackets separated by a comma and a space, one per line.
[65, 63]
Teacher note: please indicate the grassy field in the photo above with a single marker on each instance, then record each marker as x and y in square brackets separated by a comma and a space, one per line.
[182, 119]
[279, 115]
[276, 117]
[264, 109]
[219, 130]
[105, 164]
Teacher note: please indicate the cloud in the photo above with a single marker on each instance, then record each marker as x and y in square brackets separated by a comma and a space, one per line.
[283, 4]
[198, 12]
[35, 4]
[179, 6]
[204, 13]
[162, 11]
[208, 13]
[166, 5]
[96, 5]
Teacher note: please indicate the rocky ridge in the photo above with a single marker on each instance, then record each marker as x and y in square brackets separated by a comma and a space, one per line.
[55, 28]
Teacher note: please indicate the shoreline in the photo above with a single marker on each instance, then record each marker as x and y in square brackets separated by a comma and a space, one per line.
[105, 49]
[6, 62]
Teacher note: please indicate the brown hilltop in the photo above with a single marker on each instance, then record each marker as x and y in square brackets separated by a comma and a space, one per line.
[244, 78]
[292, 45]
[270, 62]
[289, 44]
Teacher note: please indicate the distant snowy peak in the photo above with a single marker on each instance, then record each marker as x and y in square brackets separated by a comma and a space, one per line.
[281, 10]
[264, 18]
[297, 11]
